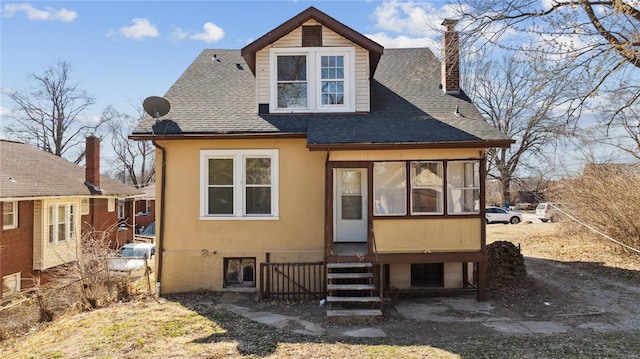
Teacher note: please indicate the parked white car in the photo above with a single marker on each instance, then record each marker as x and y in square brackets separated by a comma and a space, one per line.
[131, 259]
[500, 215]
[548, 212]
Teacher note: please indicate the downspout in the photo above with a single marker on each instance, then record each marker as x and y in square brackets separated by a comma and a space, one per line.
[160, 237]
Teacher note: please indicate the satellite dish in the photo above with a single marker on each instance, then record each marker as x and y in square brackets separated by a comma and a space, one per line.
[156, 106]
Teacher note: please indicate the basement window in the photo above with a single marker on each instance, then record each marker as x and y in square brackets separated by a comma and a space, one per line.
[239, 272]
[427, 275]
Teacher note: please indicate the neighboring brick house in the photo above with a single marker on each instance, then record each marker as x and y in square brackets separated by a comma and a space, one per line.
[47, 205]
[145, 207]
[314, 144]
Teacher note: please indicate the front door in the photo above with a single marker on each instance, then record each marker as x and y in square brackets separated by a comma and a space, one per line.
[350, 205]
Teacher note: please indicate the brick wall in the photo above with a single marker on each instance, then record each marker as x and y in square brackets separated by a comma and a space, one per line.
[103, 220]
[16, 252]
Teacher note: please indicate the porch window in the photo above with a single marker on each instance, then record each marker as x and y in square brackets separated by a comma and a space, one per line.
[61, 222]
[121, 204]
[239, 272]
[426, 187]
[239, 184]
[10, 215]
[463, 187]
[389, 188]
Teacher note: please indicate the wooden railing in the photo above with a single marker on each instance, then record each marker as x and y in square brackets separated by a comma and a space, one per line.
[292, 281]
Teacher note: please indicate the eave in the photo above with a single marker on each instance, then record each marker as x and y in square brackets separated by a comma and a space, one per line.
[413, 145]
[214, 136]
[375, 50]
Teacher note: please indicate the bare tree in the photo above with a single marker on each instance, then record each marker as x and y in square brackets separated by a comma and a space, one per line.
[515, 102]
[48, 116]
[135, 160]
[597, 39]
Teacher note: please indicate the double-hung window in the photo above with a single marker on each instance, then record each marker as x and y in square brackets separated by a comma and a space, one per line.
[313, 79]
[463, 187]
[61, 222]
[239, 184]
[426, 187]
[10, 215]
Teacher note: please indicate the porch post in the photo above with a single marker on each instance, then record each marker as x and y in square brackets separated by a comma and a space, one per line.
[482, 281]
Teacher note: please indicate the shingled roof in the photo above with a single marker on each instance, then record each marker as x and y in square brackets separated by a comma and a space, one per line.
[216, 97]
[28, 172]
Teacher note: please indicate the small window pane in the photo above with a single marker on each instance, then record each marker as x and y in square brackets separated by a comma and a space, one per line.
[258, 200]
[426, 200]
[221, 171]
[220, 200]
[351, 182]
[351, 207]
[292, 95]
[62, 223]
[258, 171]
[292, 68]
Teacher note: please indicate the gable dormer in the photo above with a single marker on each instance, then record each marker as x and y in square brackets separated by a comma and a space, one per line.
[312, 64]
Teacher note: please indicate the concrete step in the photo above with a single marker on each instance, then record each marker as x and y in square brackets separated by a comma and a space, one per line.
[350, 287]
[337, 299]
[349, 265]
[353, 316]
[349, 275]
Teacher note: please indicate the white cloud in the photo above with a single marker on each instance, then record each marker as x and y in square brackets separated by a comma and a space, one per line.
[5, 111]
[411, 18]
[178, 34]
[403, 41]
[211, 33]
[140, 29]
[46, 14]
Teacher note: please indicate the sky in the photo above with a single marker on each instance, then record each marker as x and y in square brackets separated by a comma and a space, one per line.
[124, 51]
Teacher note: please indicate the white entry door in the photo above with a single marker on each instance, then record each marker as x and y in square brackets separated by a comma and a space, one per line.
[350, 205]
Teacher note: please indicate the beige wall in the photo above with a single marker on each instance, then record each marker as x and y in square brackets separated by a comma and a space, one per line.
[329, 39]
[298, 235]
[46, 255]
[427, 235]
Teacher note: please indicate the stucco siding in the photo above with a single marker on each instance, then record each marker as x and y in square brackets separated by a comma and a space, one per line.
[195, 248]
[427, 235]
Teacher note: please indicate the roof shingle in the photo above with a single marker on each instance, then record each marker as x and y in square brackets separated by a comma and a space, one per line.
[30, 172]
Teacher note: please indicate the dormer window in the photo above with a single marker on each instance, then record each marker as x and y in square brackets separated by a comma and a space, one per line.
[319, 79]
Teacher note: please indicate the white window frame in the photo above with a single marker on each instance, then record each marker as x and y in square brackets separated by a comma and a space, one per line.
[314, 94]
[53, 223]
[16, 288]
[14, 216]
[121, 203]
[111, 204]
[239, 185]
[84, 206]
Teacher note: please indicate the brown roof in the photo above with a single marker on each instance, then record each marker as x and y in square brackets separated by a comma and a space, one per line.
[375, 50]
[29, 172]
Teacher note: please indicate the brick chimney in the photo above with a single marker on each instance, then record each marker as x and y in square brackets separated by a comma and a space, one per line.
[92, 156]
[450, 71]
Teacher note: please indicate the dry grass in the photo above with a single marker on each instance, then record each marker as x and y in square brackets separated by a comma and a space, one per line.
[191, 325]
[561, 242]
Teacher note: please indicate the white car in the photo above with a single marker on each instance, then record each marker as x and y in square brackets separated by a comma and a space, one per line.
[500, 215]
[131, 259]
[548, 211]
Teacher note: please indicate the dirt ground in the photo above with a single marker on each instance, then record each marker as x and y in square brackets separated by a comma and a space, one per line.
[581, 299]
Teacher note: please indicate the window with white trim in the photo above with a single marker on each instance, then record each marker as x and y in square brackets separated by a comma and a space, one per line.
[121, 203]
[84, 206]
[10, 215]
[11, 284]
[312, 79]
[111, 204]
[239, 184]
[61, 219]
[463, 187]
